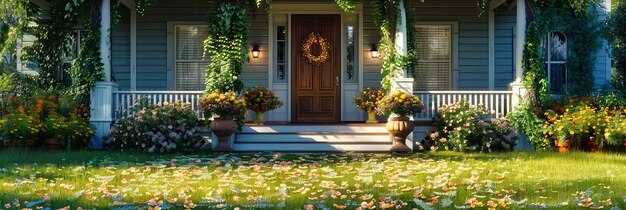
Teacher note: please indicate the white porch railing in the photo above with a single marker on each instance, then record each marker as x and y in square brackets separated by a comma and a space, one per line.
[123, 100]
[497, 102]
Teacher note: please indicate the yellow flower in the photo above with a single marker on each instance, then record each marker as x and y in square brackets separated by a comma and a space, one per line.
[571, 132]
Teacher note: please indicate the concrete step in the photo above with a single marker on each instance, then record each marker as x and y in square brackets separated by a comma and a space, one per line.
[312, 137]
[310, 147]
[360, 128]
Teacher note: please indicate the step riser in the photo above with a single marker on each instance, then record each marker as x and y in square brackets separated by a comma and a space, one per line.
[314, 128]
[250, 147]
[314, 138]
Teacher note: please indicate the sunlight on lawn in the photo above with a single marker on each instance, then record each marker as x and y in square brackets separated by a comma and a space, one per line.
[441, 180]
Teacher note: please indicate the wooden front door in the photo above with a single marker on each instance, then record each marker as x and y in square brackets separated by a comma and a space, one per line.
[316, 88]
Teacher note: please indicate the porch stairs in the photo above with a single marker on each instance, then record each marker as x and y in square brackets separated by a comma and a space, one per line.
[313, 138]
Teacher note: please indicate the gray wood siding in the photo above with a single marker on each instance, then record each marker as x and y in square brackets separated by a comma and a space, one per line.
[152, 42]
[504, 54]
[371, 36]
[120, 50]
[602, 67]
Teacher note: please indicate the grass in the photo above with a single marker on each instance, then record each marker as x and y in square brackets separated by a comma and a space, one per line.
[440, 180]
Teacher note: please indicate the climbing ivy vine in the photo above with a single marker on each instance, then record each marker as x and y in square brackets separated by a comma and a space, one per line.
[577, 19]
[13, 21]
[226, 45]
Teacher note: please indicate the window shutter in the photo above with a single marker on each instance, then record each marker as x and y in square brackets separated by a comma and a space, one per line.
[434, 57]
[190, 60]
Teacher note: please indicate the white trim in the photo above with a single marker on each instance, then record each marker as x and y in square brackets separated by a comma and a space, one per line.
[270, 57]
[495, 4]
[290, 9]
[492, 49]
[454, 26]
[105, 38]
[521, 38]
[133, 49]
[129, 3]
[360, 56]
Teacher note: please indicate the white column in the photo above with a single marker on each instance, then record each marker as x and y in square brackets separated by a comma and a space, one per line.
[105, 35]
[102, 106]
[520, 40]
[402, 80]
[518, 89]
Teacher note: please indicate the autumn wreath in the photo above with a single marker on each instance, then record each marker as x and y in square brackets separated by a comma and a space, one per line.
[316, 60]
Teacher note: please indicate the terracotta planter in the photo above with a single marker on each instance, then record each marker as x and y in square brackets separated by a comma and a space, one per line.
[591, 146]
[562, 147]
[260, 118]
[223, 128]
[30, 143]
[371, 118]
[399, 128]
[8, 144]
[53, 144]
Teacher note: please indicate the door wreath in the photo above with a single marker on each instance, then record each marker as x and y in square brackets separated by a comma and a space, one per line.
[316, 60]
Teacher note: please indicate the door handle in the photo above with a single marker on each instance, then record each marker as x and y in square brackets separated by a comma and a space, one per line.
[337, 82]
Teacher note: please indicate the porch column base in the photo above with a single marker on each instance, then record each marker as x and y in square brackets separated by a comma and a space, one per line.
[519, 92]
[102, 107]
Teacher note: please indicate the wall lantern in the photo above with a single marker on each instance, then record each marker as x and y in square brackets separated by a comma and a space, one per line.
[374, 52]
[255, 51]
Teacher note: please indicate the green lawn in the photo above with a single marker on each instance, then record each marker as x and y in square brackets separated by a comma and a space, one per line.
[440, 180]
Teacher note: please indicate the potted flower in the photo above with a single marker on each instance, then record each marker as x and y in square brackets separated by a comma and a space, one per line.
[261, 100]
[20, 129]
[54, 125]
[228, 111]
[400, 105]
[367, 100]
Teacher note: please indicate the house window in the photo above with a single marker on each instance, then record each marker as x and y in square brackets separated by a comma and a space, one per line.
[190, 61]
[351, 73]
[434, 57]
[555, 60]
[281, 53]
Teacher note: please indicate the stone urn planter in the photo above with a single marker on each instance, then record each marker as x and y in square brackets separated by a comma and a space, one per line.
[399, 128]
[562, 147]
[223, 128]
[53, 144]
[371, 118]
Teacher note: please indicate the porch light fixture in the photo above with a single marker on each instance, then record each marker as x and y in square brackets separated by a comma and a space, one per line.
[374, 52]
[255, 51]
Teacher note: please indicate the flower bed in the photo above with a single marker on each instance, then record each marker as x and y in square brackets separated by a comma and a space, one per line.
[157, 128]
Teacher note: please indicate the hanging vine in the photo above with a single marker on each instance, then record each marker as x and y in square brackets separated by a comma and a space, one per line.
[226, 45]
[577, 20]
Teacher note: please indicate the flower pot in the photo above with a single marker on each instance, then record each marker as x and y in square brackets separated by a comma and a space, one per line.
[30, 143]
[399, 128]
[562, 147]
[591, 146]
[53, 144]
[260, 118]
[223, 128]
[8, 144]
[371, 118]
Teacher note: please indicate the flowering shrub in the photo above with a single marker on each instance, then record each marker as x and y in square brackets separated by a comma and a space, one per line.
[223, 105]
[400, 103]
[368, 98]
[156, 128]
[615, 132]
[260, 99]
[74, 132]
[456, 126]
[580, 125]
[462, 127]
[19, 125]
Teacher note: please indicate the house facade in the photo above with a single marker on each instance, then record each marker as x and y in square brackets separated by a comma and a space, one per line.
[461, 54]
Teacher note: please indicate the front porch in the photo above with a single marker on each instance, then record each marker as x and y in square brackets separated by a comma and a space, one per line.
[160, 55]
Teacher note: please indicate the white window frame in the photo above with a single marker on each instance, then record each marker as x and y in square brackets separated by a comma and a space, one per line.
[548, 61]
[171, 49]
[454, 53]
